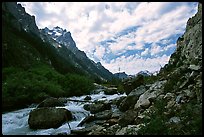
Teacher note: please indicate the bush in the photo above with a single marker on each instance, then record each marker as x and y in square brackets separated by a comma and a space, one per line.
[156, 125]
[76, 85]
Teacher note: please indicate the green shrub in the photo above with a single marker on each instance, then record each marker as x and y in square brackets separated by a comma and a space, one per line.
[76, 85]
[156, 125]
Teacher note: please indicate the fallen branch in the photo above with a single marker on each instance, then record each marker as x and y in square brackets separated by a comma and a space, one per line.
[79, 100]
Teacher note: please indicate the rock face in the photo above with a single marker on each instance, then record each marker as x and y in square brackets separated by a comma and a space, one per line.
[21, 18]
[44, 118]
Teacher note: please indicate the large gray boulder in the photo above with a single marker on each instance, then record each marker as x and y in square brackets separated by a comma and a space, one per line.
[131, 99]
[44, 118]
[127, 118]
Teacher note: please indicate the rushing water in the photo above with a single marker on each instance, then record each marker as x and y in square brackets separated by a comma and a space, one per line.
[16, 122]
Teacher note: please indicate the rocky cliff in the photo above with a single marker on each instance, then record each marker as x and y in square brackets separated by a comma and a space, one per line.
[19, 18]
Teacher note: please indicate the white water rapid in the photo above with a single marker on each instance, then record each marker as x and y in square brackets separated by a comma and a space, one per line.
[16, 122]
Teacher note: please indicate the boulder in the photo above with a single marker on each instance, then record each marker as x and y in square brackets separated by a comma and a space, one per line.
[146, 99]
[97, 107]
[110, 91]
[87, 119]
[112, 129]
[51, 102]
[174, 120]
[106, 114]
[127, 118]
[127, 103]
[86, 130]
[129, 130]
[131, 99]
[194, 67]
[44, 118]
[87, 98]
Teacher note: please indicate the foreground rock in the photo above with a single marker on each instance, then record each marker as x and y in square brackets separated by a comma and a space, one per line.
[131, 99]
[51, 102]
[44, 118]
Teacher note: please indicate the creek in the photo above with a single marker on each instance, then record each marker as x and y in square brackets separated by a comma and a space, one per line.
[16, 122]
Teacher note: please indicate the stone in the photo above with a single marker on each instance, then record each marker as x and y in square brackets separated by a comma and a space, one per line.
[129, 130]
[169, 96]
[106, 114]
[145, 99]
[44, 118]
[112, 129]
[110, 91]
[178, 99]
[87, 119]
[174, 120]
[194, 67]
[98, 107]
[116, 113]
[128, 102]
[127, 118]
[86, 130]
[170, 104]
[87, 98]
[112, 121]
[50, 102]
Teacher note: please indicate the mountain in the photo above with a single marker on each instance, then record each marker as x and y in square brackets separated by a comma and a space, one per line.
[66, 47]
[121, 75]
[55, 47]
[144, 73]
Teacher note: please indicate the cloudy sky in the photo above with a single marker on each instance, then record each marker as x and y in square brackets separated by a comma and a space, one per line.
[132, 36]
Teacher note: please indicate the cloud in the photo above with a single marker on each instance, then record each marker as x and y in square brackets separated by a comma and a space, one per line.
[145, 32]
[134, 64]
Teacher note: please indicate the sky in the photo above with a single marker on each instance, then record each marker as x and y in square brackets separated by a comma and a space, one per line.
[124, 36]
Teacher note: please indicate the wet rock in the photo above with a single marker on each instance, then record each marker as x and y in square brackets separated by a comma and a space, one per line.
[86, 107]
[44, 118]
[50, 102]
[87, 98]
[87, 119]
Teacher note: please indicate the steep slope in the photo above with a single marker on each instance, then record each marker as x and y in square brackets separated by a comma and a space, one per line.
[66, 46]
[67, 59]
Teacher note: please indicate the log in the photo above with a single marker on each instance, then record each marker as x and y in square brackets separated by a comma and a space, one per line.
[80, 100]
